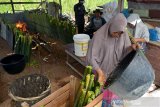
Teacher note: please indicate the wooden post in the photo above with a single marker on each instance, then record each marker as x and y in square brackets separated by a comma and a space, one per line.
[120, 5]
[12, 6]
[74, 85]
[60, 2]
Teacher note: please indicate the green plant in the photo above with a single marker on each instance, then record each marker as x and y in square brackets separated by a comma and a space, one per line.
[50, 26]
[33, 63]
[23, 43]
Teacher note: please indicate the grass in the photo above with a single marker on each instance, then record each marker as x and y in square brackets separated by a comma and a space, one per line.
[67, 5]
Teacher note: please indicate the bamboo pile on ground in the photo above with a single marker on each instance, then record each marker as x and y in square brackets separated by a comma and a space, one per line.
[23, 42]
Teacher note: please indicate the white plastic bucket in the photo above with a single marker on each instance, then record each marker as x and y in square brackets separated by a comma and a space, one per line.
[81, 44]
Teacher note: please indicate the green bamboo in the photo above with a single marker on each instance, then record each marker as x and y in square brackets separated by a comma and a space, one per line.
[85, 73]
[87, 81]
[97, 91]
[88, 70]
[88, 95]
[93, 96]
[91, 83]
[23, 44]
[82, 97]
[82, 83]
[89, 100]
[30, 47]
[22, 41]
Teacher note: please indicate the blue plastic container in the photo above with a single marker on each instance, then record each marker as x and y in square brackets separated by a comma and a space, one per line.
[126, 13]
[153, 35]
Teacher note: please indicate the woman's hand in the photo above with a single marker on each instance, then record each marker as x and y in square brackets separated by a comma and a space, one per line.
[101, 76]
[139, 40]
[135, 46]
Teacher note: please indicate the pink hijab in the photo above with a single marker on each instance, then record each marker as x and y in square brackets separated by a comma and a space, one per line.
[105, 51]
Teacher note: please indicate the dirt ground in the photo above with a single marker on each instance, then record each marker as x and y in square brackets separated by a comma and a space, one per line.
[55, 69]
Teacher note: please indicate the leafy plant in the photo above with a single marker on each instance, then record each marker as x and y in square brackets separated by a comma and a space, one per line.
[53, 27]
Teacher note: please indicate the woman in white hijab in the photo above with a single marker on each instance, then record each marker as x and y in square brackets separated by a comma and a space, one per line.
[138, 29]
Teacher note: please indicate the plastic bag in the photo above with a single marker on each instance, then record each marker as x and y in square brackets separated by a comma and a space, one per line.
[126, 13]
[111, 100]
[109, 9]
[158, 32]
[153, 35]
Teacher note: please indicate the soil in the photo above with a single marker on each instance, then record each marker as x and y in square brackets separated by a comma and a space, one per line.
[54, 67]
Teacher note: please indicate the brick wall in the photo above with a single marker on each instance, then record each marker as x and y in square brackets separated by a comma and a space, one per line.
[153, 55]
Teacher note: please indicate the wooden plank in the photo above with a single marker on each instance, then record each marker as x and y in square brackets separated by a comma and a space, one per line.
[64, 105]
[74, 85]
[59, 100]
[95, 101]
[99, 104]
[78, 59]
[152, 43]
[74, 68]
[6, 103]
[152, 20]
[52, 96]
[72, 90]
[77, 87]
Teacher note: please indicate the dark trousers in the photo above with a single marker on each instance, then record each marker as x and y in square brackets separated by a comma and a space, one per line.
[90, 32]
[80, 28]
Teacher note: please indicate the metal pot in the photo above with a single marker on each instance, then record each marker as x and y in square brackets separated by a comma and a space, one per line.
[132, 78]
[14, 63]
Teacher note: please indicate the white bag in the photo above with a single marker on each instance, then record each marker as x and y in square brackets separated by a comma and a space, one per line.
[109, 9]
